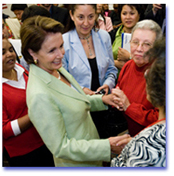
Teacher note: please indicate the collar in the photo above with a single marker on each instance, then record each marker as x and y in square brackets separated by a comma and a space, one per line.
[19, 71]
[120, 30]
[100, 17]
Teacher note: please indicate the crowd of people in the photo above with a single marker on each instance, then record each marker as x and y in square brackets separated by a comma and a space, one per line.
[73, 69]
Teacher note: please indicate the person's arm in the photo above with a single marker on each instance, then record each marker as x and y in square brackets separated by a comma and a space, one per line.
[148, 116]
[24, 123]
[12, 128]
[144, 149]
[47, 119]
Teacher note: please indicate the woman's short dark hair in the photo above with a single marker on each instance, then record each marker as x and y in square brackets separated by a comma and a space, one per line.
[34, 10]
[156, 75]
[33, 32]
[18, 7]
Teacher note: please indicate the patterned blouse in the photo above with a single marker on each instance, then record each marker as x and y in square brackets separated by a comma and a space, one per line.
[147, 149]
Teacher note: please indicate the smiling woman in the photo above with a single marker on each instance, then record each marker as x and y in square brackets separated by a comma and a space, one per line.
[88, 55]
[22, 145]
[57, 106]
[51, 53]
[130, 14]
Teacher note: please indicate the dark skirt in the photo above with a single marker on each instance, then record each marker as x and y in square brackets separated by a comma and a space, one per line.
[40, 157]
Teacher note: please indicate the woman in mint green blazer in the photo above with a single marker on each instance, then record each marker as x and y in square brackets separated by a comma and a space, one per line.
[57, 106]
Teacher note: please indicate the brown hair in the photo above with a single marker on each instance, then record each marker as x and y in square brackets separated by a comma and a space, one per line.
[156, 76]
[33, 32]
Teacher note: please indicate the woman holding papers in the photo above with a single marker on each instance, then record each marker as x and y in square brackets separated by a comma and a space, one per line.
[131, 86]
[130, 15]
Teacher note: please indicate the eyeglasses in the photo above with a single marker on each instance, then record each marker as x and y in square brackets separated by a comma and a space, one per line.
[144, 45]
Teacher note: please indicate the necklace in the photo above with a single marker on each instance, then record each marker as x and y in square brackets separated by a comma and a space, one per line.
[59, 77]
[86, 38]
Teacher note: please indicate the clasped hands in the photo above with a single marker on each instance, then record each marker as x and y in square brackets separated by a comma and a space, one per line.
[117, 99]
[121, 100]
[118, 143]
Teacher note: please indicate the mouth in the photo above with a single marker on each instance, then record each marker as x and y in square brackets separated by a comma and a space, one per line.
[138, 56]
[128, 22]
[11, 61]
[85, 28]
[57, 62]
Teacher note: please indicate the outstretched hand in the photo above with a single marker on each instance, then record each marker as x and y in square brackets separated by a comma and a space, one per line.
[117, 143]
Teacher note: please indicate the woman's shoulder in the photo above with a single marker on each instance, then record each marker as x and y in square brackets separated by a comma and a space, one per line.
[102, 32]
[103, 35]
[149, 143]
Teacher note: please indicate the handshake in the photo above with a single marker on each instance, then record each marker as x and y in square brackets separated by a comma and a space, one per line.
[117, 98]
[118, 143]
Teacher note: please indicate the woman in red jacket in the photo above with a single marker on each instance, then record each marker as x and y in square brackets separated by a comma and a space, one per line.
[131, 86]
[22, 145]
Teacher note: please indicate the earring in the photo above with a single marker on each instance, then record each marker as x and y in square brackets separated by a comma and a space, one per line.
[35, 61]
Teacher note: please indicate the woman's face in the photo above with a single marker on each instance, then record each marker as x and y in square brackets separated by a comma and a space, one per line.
[8, 56]
[84, 18]
[142, 40]
[129, 16]
[18, 13]
[99, 8]
[49, 57]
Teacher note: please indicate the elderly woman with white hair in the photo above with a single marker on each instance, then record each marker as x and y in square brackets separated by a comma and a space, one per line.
[131, 86]
[148, 148]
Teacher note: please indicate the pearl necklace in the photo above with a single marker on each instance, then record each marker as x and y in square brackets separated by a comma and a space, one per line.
[86, 38]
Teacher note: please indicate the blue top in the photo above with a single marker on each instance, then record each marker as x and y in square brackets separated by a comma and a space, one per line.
[76, 62]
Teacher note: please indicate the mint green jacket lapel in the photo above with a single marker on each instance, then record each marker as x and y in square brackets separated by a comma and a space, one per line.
[58, 85]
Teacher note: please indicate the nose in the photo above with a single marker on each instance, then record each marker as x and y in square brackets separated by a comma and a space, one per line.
[60, 53]
[127, 15]
[140, 47]
[9, 53]
[86, 21]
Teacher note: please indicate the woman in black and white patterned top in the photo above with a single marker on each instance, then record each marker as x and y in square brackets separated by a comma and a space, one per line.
[148, 148]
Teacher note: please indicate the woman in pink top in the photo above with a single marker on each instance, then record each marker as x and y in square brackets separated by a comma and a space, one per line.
[104, 22]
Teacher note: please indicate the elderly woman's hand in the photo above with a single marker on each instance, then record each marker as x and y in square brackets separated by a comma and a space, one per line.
[121, 99]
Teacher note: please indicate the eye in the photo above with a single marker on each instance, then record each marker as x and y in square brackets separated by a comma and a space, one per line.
[135, 42]
[132, 13]
[3, 51]
[11, 49]
[80, 17]
[52, 50]
[61, 46]
[124, 13]
[147, 45]
[91, 17]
